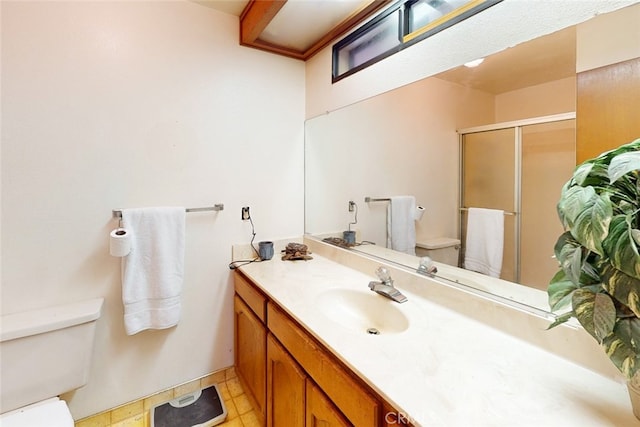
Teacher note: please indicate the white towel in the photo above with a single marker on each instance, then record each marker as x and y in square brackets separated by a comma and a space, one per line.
[152, 272]
[401, 227]
[485, 240]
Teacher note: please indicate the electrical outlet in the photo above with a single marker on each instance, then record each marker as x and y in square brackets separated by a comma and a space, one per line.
[245, 213]
[352, 205]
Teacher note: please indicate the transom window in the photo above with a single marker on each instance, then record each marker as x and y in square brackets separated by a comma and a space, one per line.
[399, 26]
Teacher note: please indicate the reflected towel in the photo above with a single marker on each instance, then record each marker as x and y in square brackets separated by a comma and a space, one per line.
[401, 227]
[485, 240]
[152, 272]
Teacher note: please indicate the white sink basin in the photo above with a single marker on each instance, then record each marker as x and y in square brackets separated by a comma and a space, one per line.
[363, 311]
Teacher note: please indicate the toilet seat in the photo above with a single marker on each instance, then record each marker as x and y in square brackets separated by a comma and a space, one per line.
[48, 413]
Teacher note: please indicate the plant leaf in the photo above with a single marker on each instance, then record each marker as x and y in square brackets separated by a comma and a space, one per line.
[624, 191]
[604, 315]
[622, 164]
[577, 267]
[624, 288]
[591, 226]
[581, 173]
[591, 274]
[569, 254]
[573, 202]
[595, 175]
[560, 291]
[561, 319]
[623, 356]
[607, 156]
[621, 247]
[628, 330]
[595, 312]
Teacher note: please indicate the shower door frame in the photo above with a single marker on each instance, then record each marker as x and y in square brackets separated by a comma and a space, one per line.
[517, 125]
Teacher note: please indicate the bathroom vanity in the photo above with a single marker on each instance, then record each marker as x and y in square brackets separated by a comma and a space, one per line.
[313, 343]
[292, 378]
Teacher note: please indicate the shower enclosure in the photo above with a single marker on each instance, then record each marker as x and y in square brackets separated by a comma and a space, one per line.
[520, 168]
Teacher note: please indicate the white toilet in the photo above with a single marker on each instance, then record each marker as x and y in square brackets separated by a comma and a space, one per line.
[440, 249]
[45, 353]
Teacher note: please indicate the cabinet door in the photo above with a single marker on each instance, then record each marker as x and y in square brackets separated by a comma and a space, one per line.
[285, 387]
[320, 411]
[250, 353]
[358, 405]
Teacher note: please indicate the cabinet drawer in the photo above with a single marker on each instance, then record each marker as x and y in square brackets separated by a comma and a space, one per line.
[346, 393]
[251, 296]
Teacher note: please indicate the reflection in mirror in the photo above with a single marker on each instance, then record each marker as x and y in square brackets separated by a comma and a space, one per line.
[520, 170]
[406, 142]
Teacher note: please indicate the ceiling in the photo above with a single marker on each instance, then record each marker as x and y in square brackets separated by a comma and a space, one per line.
[300, 28]
[232, 7]
[547, 58]
[295, 28]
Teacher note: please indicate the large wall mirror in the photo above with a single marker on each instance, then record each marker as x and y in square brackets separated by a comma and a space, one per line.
[407, 142]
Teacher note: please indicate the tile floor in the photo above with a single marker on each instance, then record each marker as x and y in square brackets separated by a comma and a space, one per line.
[240, 413]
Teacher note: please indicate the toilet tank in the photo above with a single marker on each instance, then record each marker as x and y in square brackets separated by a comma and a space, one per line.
[440, 249]
[46, 352]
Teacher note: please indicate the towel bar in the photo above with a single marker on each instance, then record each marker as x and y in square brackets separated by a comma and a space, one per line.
[117, 213]
[371, 199]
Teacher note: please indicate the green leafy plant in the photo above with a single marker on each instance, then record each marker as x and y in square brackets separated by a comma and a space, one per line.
[598, 282]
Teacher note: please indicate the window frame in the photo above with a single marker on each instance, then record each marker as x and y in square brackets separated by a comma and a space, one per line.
[445, 21]
[361, 32]
[406, 38]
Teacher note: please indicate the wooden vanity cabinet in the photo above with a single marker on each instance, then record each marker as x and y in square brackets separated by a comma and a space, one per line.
[345, 391]
[320, 411]
[250, 343]
[293, 399]
[286, 382]
[294, 379]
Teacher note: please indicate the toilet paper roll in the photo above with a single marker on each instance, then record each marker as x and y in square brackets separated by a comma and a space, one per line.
[419, 212]
[120, 242]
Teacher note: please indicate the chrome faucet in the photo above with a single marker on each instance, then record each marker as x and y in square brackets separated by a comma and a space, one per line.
[385, 286]
[426, 267]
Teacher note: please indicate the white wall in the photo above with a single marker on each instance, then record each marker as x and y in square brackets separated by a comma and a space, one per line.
[555, 97]
[131, 104]
[501, 26]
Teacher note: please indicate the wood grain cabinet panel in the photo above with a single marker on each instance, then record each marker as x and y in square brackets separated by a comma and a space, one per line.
[345, 392]
[250, 352]
[251, 296]
[607, 108]
[285, 388]
[320, 411]
[394, 418]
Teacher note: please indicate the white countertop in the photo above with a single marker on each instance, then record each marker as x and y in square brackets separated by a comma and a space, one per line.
[446, 369]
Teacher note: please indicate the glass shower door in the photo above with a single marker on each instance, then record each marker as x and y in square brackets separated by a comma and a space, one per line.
[520, 170]
[489, 173]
